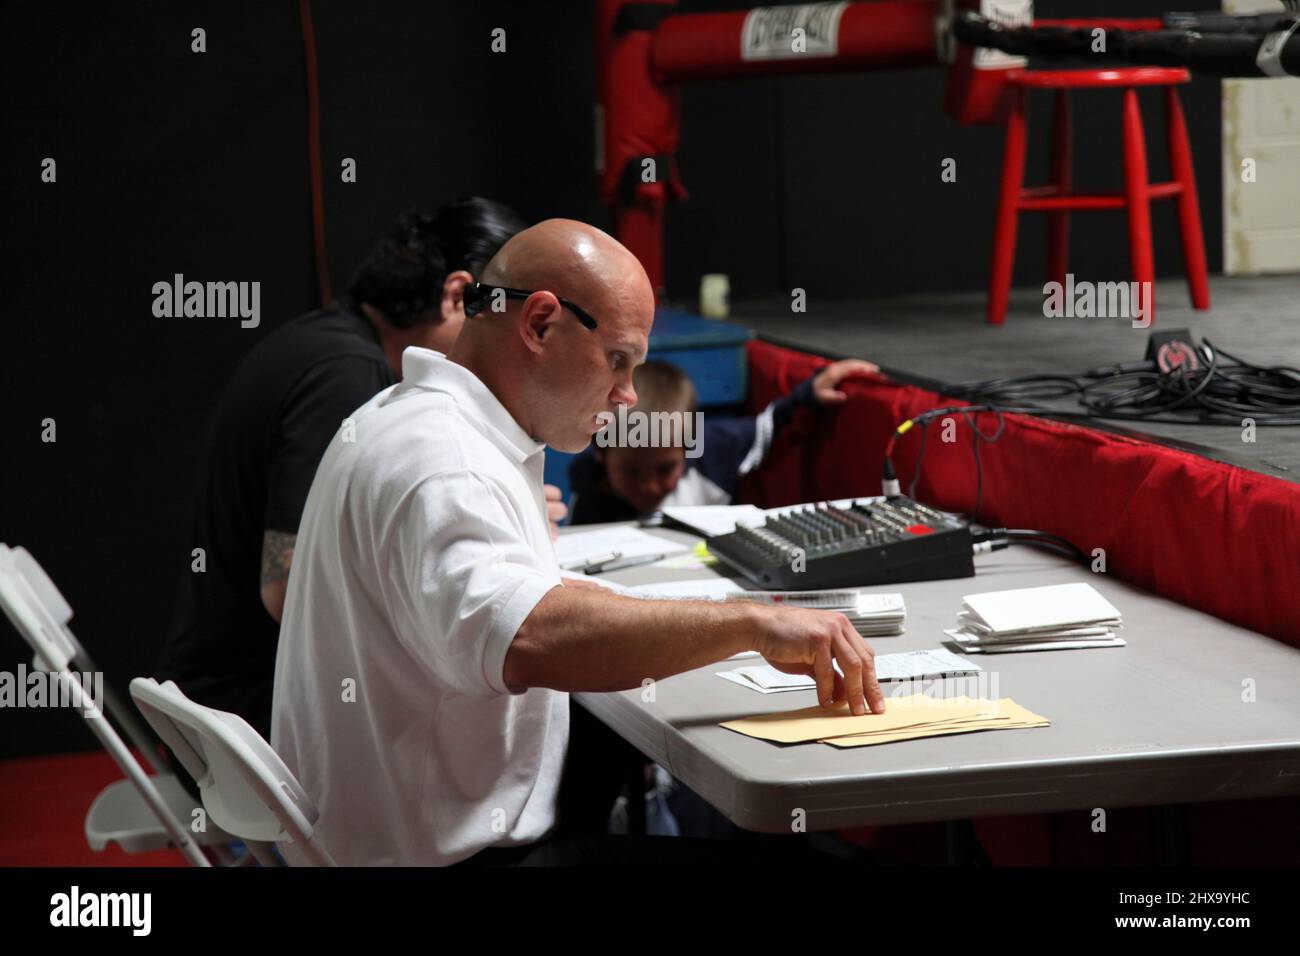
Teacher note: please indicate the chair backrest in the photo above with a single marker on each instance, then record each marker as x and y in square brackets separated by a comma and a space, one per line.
[40, 614]
[245, 785]
[37, 609]
[56, 642]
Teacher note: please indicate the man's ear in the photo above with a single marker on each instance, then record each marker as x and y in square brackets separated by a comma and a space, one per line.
[452, 307]
[540, 312]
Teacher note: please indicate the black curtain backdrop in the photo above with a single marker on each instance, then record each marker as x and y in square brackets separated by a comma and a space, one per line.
[170, 161]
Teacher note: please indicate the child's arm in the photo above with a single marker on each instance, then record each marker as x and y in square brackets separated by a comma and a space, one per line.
[819, 389]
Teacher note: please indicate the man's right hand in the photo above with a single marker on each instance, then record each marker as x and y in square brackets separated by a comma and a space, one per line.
[804, 641]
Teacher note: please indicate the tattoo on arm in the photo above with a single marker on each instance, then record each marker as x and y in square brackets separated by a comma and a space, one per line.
[277, 556]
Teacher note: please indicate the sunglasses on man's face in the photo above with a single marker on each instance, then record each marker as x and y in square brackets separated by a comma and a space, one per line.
[476, 297]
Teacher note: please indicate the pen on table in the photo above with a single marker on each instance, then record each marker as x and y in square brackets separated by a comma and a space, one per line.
[617, 565]
[585, 563]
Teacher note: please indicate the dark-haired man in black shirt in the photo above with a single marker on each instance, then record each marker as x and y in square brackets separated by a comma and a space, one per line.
[288, 399]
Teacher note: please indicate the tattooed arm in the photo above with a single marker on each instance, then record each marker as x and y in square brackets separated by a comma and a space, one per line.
[277, 556]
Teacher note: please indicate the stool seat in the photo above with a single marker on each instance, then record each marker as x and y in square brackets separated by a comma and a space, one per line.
[1099, 79]
[1059, 201]
[1053, 198]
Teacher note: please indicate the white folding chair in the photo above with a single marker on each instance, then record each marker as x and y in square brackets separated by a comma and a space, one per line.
[139, 813]
[246, 787]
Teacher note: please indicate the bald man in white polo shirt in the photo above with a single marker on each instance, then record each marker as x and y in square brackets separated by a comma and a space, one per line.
[428, 645]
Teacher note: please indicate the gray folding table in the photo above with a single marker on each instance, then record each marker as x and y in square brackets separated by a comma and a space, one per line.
[1168, 719]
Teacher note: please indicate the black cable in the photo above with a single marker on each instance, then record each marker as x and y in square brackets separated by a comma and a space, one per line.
[920, 457]
[975, 450]
[1215, 392]
[1000, 538]
[1223, 391]
[1052, 541]
[924, 419]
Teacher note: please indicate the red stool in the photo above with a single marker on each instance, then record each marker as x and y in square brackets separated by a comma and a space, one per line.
[1058, 202]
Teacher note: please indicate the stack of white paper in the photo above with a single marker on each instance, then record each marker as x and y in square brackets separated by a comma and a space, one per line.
[912, 665]
[702, 589]
[872, 615]
[1056, 617]
[708, 520]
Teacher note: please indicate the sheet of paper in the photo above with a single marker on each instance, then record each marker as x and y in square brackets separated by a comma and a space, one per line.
[1057, 605]
[1045, 646]
[766, 677]
[581, 547]
[968, 636]
[709, 520]
[905, 666]
[911, 665]
[880, 603]
[850, 600]
[704, 589]
[746, 683]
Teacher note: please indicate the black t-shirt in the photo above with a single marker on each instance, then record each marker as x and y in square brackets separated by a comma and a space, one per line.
[273, 423]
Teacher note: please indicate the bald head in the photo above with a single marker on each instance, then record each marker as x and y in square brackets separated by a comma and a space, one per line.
[575, 261]
[554, 374]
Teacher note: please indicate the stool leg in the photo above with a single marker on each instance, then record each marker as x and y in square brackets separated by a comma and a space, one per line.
[1189, 207]
[1058, 223]
[1138, 199]
[1004, 236]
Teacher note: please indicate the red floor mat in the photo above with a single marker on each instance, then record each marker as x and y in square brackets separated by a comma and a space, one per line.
[43, 805]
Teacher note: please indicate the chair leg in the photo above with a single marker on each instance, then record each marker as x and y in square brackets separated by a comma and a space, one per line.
[1058, 223]
[1004, 236]
[1189, 207]
[1138, 199]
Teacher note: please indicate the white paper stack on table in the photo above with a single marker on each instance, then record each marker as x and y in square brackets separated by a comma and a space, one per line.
[1056, 617]
[708, 520]
[872, 615]
[906, 666]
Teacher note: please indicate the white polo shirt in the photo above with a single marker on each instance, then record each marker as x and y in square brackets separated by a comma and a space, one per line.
[423, 547]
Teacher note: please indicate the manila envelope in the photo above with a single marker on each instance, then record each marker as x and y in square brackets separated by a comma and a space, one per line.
[819, 723]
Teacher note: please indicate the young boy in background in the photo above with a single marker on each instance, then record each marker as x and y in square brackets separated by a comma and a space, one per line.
[623, 483]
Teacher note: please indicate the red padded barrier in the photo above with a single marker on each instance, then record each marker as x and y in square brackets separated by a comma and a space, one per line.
[1206, 534]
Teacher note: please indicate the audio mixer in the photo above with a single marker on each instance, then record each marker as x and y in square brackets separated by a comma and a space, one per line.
[869, 542]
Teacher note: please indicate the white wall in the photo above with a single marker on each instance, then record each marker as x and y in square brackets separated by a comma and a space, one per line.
[1261, 121]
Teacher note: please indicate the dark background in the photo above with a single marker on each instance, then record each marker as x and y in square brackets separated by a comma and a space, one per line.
[171, 161]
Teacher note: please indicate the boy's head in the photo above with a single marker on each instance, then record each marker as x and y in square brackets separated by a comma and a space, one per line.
[644, 476]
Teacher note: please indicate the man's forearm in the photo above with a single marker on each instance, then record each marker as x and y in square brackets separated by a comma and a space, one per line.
[578, 640]
[277, 558]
